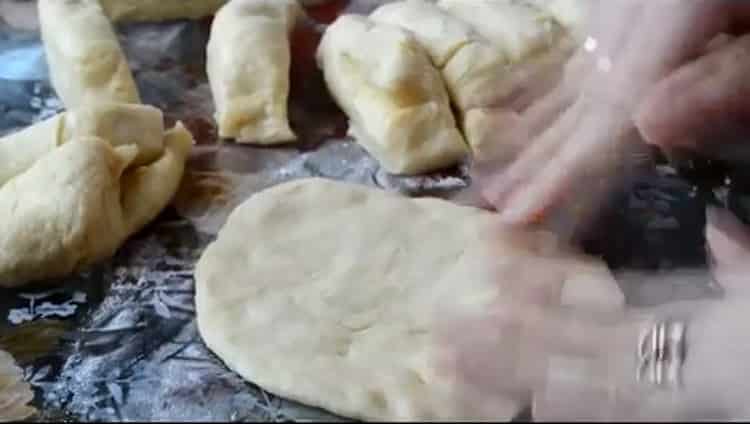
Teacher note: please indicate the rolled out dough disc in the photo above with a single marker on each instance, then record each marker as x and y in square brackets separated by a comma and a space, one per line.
[329, 293]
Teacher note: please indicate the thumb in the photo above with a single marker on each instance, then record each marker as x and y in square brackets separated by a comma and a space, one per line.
[729, 248]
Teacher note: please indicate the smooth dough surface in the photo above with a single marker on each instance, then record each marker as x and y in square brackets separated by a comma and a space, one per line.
[396, 101]
[328, 293]
[86, 62]
[250, 84]
[15, 393]
[159, 10]
[80, 201]
[482, 74]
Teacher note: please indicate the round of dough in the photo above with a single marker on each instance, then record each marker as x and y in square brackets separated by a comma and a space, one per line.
[329, 293]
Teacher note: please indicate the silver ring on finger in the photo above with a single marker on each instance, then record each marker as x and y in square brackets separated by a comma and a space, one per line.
[661, 354]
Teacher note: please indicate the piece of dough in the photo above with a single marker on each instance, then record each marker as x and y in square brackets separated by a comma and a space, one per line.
[15, 393]
[77, 204]
[86, 62]
[159, 10]
[479, 57]
[397, 104]
[118, 123]
[328, 293]
[250, 85]
[473, 69]
[518, 28]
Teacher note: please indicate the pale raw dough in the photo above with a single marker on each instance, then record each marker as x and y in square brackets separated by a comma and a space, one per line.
[477, 73]
[328, 293]
[118, 123]
[80, 201]
[159, 10]
[396, 101]
[440, 33]
[517, 27]
[86, 62]
[250, 84]
[15, 393]
[479, 46]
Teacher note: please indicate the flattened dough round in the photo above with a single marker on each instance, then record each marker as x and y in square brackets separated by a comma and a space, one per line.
[327, 293]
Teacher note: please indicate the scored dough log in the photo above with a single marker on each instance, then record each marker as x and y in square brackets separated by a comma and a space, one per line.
[86, 62]
[159, 10]
[440, 33]
[479, 58]
[330, 294]
[248, 62]
[396, 101]
[118, 123]
[77, 204]
[518, 28]
[473, 69]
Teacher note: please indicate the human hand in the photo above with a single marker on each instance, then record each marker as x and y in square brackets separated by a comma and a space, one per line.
[703, 106]
[582, 137]
[578, 362]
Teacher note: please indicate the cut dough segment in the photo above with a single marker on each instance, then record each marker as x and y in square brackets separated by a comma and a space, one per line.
[440, 33]
[469, 63]
[472, 68]
[86, 63]
[159, 10]
[483, 75]
[518, 28]
[330, 294]
[118, 123]
[570, 13]
[77, 204]
[250, 84]
[397, 104]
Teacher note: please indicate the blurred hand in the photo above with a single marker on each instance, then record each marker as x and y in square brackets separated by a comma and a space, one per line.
[704, 105]
[582, 136]
[575, 362]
